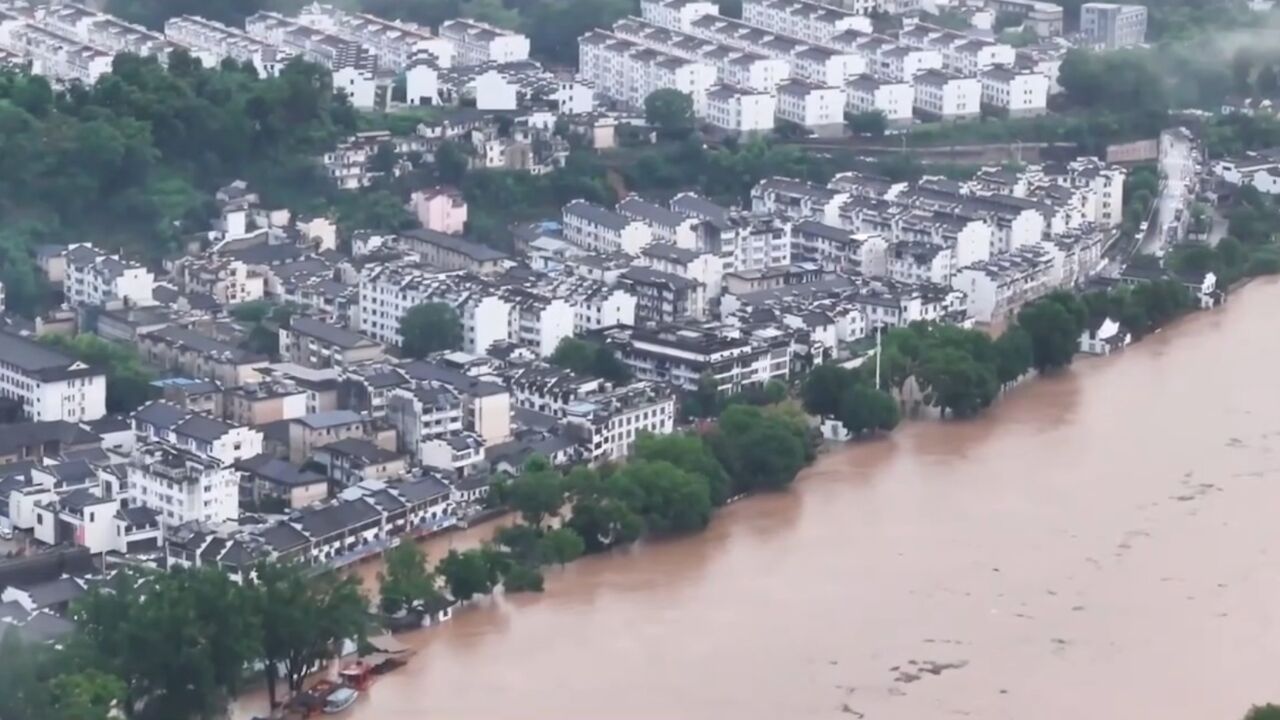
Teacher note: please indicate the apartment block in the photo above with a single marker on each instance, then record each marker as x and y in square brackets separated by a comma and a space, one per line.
[810, 60]
[676, 14]
[819, 108]
[394, 43]
[489, 313]
[895, 100]
[601, 230]
[475, 42]
[809, 21]
[94, 278]
[312, 343]
[681, 355]
[739, 110]
[60, 56]
[946, 96]
[627, 71]
[1111, 26]
[182, 486]
[49, 384]
[212, 42]
[734, 65]
[1018, 93]
[995, 289]
[611, 422]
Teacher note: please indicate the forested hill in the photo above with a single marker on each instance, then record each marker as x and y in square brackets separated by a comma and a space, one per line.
[134, 160]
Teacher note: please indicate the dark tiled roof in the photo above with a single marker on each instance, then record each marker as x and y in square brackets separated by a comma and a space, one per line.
[16, 436]
[283, 537]
[472, 250]
[160, 414]
[337, 518]
[422, 489]
[331, 334]
[359, 449]
[40, 362]
[54, 592]
[202, 427]
[278, 472]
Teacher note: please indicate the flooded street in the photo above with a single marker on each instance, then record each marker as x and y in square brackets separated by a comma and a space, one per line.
[1102, 544]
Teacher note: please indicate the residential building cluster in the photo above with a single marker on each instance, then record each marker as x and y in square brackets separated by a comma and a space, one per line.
[69, 42]
[806, 63]
[328, 445]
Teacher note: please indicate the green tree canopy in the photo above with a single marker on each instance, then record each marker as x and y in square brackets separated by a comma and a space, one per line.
[689, 453]
[1054, 324]
[467, 573]
[407, 583]
[536, 495]
[303, 619]
[863, 409]
[428, 328]
[671, 112]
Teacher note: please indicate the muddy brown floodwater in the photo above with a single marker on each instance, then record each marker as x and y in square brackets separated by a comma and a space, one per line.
[1102, 544]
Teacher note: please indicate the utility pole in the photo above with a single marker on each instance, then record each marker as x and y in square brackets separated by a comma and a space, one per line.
[878, 356]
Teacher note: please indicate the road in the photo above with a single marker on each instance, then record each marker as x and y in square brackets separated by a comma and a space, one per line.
[1178, 168]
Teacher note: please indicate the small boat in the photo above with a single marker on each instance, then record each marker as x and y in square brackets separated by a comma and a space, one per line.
[339, 700]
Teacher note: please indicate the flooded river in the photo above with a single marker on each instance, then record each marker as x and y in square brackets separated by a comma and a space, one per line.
[1103, 544]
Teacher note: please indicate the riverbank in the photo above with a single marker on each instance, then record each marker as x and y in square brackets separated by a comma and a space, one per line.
[1091, 545]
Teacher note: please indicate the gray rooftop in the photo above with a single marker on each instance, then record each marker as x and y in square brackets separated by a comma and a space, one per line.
[330, 418]
[39, 361]
[331, 334]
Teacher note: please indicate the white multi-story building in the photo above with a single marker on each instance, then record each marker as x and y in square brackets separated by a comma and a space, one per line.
[1111, 26]
[886, 58]
[96, 278]
[920, 262]
[475, 42]
[354, 66]
[1017, 92]
[797, 200]
[422, 80]
[50, 385]
[596, 303]
[668, 226]
[611, 422]
[817, 62]
[60, 56]
[836, 248]
[974, 55]
[996, 288]
[394, 43]
[424, 411]
[894, 100]
[104, 31]
[809, 21]
[702, 267]
[1105, 186]
[599, 229]
[734, 65]
[627, 71]
[1258, 169]
[682, 355]
[819, 108]
[213, 42]
[947, 96]
[204, 435]
[739, 110]
[744, 241]
[676, 14]
[488, 313]
[182, 486]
